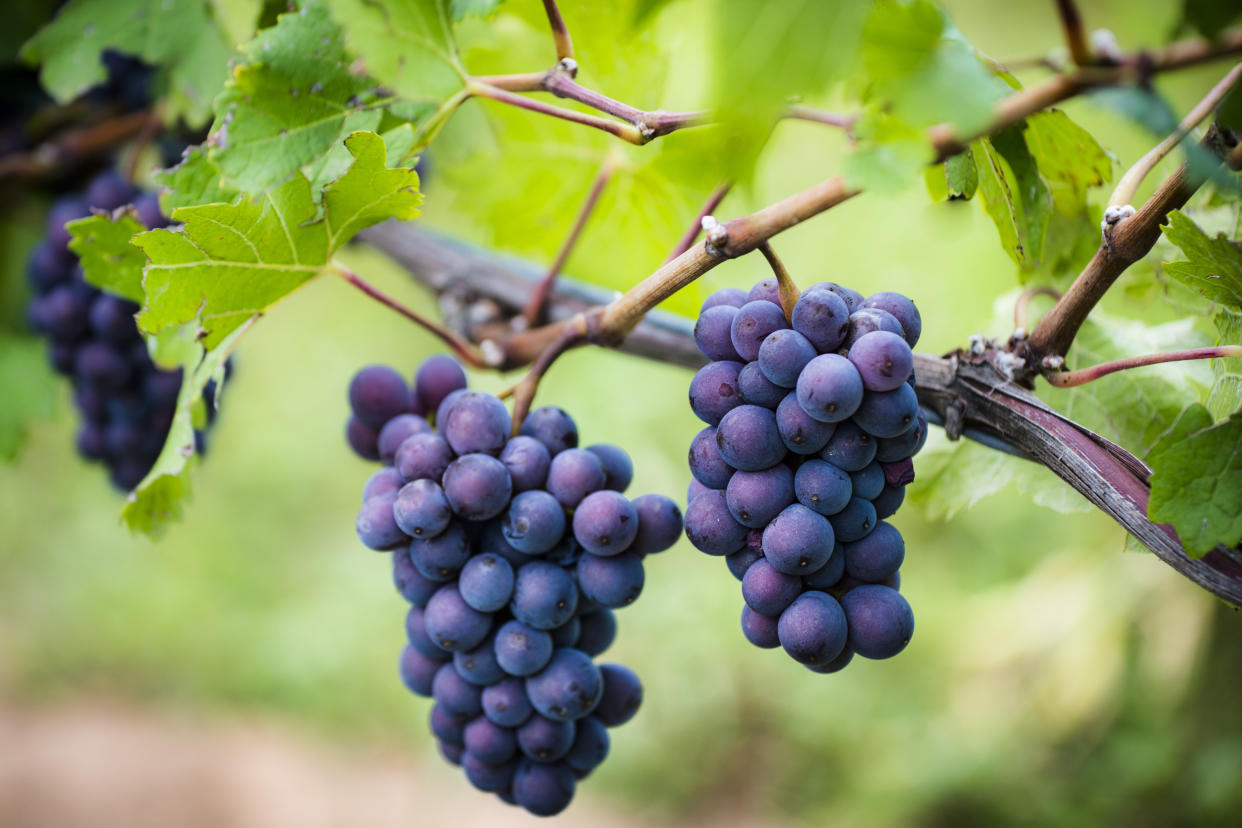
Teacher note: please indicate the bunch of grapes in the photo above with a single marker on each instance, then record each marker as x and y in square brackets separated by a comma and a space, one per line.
[127, 403]
[812, 421]
[514, 552]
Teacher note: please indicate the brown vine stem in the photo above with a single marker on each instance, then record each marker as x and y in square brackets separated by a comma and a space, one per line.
[692, 232]
[1124, 192]
[1075, 36]
[1124, 244]
[1069, 379]
[785, 287]
[460, 346]
[534, 307]
[85, 142]
[560, 33]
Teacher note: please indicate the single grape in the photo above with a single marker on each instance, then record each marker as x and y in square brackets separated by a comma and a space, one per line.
[543, 789]
[906, 444]
[486, 582]
[438, 376]
[756, 389]
[768, 290]
[706, 464]
[752, 324]
[566, 635]
[868, 320]
[883, 359]
[822, 486]
[881, 622]
[544, 595]
[573, 474]
[534, 522]
[421, 509]
[454, 624]
[710, 525]
[853, 522]
[422, 455]
[833, 665]
[829, 388]
[545, 740]
[377, 393]
[618, 468]
[442, 557]
[611, 582]
[741, 560]
[902, 309]
[568, 688]
[868, 482]
[479, 666]
[363, 439]
[622, 696]
[418, 672]
[800, 432]
[766, 590]
[851, 449]
[754, 498]
[597, 631]
[714, 391]
[448, 727]
[749, 440]
[828, 574]
[783, 355]
[877, 556]
[813, 628]
[590, 747]
[490, 778]
[851, 297]
[527, 460]
[476, 422]
[376, 526]
[712, 333]
[734, 297]
[522, 650]
[888, 501]
[456, 695]
[798, 540]
[477, 486]
[396, 431]
[605, 523]
[759, 630]
[505, 702]
[410, 583]
[823, 317]
[659, 524]
[552, 427]
[102, 366]
[416, 634]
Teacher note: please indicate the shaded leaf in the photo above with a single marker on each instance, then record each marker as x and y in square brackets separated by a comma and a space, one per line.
[1069, 158]
[1209, 17]
[1196, 482]
[1014, 195]
[461, 9]
[1213, 265]
[109, 261]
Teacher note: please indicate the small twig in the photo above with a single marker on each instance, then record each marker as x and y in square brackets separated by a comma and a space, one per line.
[79, 143]
[534, 307]
[785, 286]
[1129, 183]
[1075, 36]
[1021, 306]
[560, 33]
[819, 116]
[462, 347]
[626, 132]
[1068, 379]
[651, 124]
[572, 332]
[692, 232]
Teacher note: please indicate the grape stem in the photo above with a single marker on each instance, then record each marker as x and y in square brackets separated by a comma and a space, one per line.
[573, 332]
[1069, 379]
[1129, 183]
[1075, 36]
[560, 33]
[1021, 307]
[460, 346]
[1124, 243]
[533, 311]
[626, 132]
[785, 287]
[692, 232]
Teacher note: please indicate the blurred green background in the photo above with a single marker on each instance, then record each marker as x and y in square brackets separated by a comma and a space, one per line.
[1052, 678]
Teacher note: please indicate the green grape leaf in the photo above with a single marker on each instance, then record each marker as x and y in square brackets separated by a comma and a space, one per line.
[1133, 407]
[196, 180]
[159, 499]
[764, 54]
[951, 477]
[1209, 17]
[30, 389]
[1229, 113]
[291, 103]
[1014, 195]
[233, 261]
[1196, 481]
[461, 9]
[923, 70]
[177, 34]
[961, 177]
[1225, 396]
[889, 154]
[408, 46]
[1213, 266]
[109, 261]
[1069, 159]
[237, 18]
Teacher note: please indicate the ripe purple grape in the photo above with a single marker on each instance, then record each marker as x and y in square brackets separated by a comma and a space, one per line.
[552, 427]
[706, 464]
[877, 556]
[732, 297]
[714, 391]
[755, 498]
[396, 431]
[902, 309]
[522, 650]
[605, 523]
[440, 558]
[477, 486]
[486, 582]
[783, 355]
[829, 388]
[421, 509]
[544, 596]
[545, 740]
[711, 527]
[375, 524]
[437, 377]
[476, 422]
[798, 540]
[611, 582]
[712, 333]
[748, 438]
[821, 486]
[543, 789]
[454, 624]
[850, 449]
[505, 702]
[573, 474]
[534, 522]
[568, 688]
[767, 590]
[527, 460]
[756, 389]
[823, 317]
[800, 432]
[622, 696]
[888, 413]
[759, 630]
[377, 393]
[853, 522]
[883, 359]
[880, 620]
[752, 324]
[422, 455]
[813, 628]
[659, 524]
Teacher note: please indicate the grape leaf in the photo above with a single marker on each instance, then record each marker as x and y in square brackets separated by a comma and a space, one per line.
[408, 46]
[232, 261]
[291, 103]
[196, 180]
[30, 390]
[177, 34]
[462, 9]
[766, 53]
[889, 154]
[1213, 266]
[109, 261]
[237, 18]
[1196, 481]
[1209, 17]
[1134, 407]
[1225, 397]
[1069, 159]
[159, 499]
[961, 177]
[1014, 195]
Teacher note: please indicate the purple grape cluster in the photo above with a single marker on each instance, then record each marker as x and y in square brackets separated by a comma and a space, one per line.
[513, 552]
[127, 403]
[812, 421]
